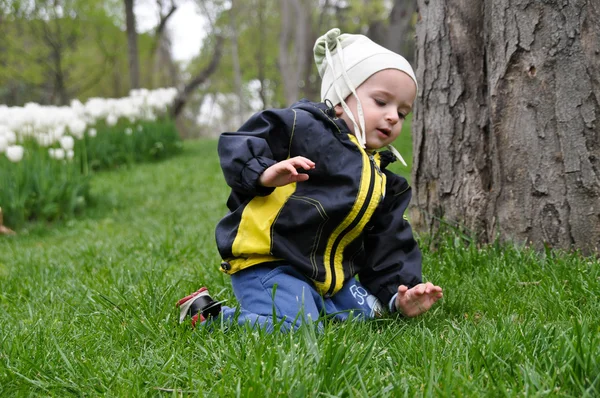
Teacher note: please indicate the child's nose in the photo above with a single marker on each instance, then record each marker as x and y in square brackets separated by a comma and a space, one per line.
[392, 117]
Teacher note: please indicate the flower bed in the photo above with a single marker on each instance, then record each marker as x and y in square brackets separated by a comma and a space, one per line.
[47, 154]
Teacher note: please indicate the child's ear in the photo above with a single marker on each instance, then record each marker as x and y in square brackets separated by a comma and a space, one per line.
[339, 111]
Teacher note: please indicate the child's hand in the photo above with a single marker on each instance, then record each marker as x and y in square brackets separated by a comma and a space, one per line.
[285, 172]
[419, 299]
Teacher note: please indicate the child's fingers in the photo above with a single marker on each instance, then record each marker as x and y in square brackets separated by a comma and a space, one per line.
[301, 177]
[291, 169]
[306, 160]
[431, 288]
[293, 164]
[301, 161]
[420, 289]
[436, 291]
[402, 290]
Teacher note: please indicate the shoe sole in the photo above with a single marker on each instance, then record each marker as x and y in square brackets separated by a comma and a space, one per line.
[185, 303]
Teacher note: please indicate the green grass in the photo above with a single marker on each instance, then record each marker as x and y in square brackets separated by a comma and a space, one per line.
[147, 142]
[45, 189]
[87, 308]
[41, 188]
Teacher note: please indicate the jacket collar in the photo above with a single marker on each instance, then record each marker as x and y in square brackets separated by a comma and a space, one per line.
[322, 111]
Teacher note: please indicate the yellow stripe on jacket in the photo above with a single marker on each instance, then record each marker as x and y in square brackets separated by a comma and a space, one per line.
[253, 241]
[338, 256]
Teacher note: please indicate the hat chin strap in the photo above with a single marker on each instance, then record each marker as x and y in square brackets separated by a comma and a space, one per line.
[359, 131]
[397, 155]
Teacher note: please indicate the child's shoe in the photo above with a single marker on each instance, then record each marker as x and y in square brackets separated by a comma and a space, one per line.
[199, 306]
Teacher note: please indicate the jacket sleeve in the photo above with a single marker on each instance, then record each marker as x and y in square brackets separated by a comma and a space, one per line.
[392, 254]
[260, 143]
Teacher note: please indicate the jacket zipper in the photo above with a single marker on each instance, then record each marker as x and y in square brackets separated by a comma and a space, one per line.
[349, 228]
[372, 157]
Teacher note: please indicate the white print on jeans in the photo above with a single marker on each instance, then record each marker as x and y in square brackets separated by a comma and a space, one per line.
[360, 294]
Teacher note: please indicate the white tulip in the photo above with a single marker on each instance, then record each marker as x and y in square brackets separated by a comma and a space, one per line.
[78, 107]
[58, 131]
[92, 132]
[67, 142]
[3, 143]
[111, 119]
[59, 154]
[14, 153]
[128, 131]
[70, 154]
[10, 136]
[77, 127]
[34, 120]
[44, 139]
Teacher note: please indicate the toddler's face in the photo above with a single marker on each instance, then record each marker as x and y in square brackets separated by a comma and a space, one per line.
[386, 98]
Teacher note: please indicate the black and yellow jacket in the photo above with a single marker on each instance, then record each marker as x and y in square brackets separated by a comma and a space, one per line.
[346, 219]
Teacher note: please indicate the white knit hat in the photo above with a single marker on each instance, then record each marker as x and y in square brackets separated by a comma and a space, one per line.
[345, 61]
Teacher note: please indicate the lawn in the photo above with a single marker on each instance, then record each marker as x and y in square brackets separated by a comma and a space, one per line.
[87, 308]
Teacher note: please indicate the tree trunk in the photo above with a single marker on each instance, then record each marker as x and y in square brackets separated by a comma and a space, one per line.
[302, 48]
[400, 36]
[312, 81]
[164, 73]
[506, 137]
[235, 58]
[132, 50]
[260, 53]
[54, 39]
[183, 95]
[292, 54]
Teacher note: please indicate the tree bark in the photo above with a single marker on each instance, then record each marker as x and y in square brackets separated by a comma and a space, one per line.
[235, 58]
[312, 80]
[260, 53]
[183, 95]
[397, 35]
[165, 71]
[284, 44]
[400, 36]
[132, 49]
[56, 45]
[506, 137]
[293, 53]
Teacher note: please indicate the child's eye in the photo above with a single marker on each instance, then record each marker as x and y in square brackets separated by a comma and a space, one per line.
[401, 116]
[379, 102]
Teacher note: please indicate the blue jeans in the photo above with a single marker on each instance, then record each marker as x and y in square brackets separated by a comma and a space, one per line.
[272, 295]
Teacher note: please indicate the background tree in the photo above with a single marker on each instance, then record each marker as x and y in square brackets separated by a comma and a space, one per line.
[235, 57]
[263, 65]
[56, 50]
[261, 52]
[394, 29]
[249, 77]
[132, 49]
[506, 135]
[165, 71]
[401, 32]
[211, 64]
[293, 47]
